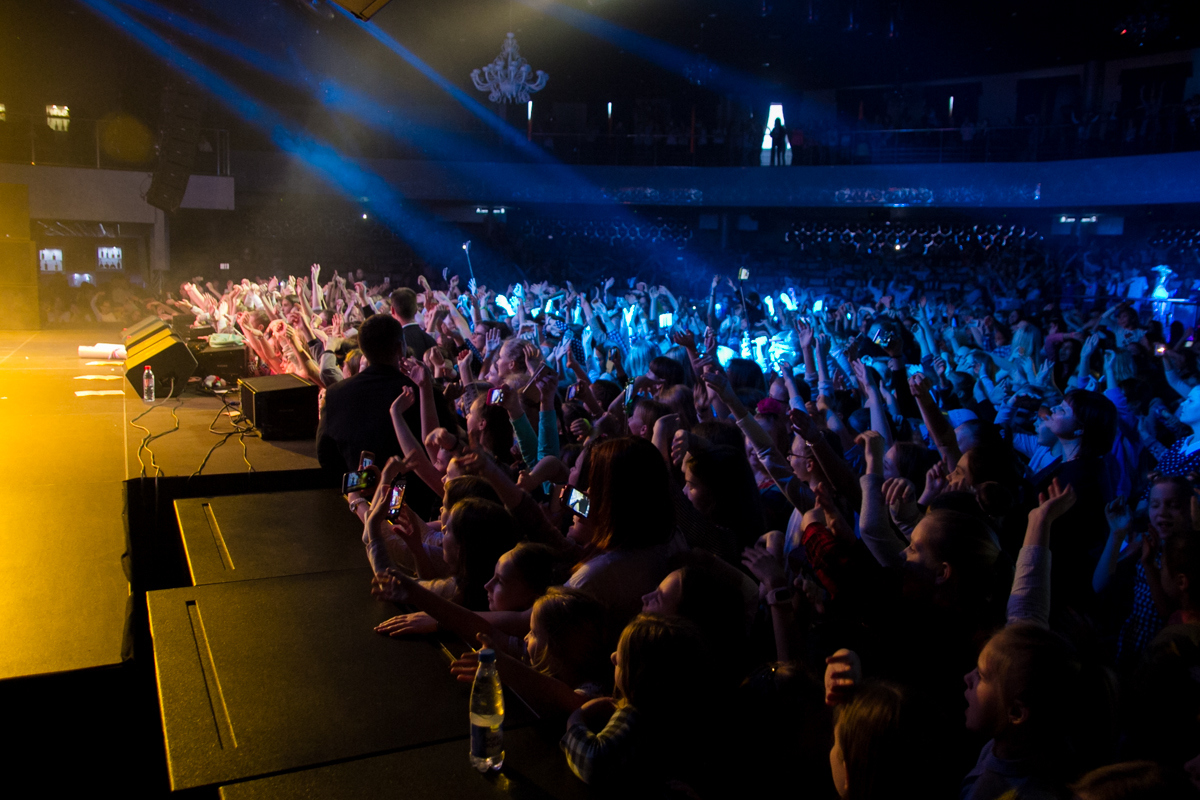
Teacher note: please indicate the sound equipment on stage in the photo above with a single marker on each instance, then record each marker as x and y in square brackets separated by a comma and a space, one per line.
[281, 406]
[227, 361]
[178, 139]
[169, 359]
[18, 264]
[363, 9]
[143, 329]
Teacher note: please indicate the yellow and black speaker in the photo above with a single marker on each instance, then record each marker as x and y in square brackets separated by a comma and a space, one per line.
[168, 357]
[143, 329]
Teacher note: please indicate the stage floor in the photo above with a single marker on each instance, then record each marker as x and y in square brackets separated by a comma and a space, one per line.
[64, 457]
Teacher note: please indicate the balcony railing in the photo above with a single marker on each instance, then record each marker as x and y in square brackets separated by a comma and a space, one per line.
[100, 144]
[847, 146]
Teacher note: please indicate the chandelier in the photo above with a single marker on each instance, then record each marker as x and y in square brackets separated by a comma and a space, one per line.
[507, 79]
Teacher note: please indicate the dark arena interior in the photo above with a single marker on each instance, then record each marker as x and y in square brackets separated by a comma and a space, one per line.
[600, 398]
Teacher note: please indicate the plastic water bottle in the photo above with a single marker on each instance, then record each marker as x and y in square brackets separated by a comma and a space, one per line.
[148, 384]
[487, 715]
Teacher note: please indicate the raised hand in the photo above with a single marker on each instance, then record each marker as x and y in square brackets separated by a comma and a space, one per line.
[919, 385]
[580, 428]
[717, 381]
[1119, 516]
[872, 445]
[473, 461]
[684, 338]
[935, 483]
[804, 334]
[1053, 503]
[860, 374]
[764, 566]
[900, 494]
[843, 671]
[1089, 346]
[1044, 373]
[416, 371]
[547, 386]
[491, 341]
[404, 401]
[802, 424]
[681, 442]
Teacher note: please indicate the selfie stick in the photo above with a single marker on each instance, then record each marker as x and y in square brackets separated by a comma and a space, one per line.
[467, 250]
[742, 291]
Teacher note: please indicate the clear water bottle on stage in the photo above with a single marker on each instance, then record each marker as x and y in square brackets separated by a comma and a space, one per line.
[487, 715]
[148, 384]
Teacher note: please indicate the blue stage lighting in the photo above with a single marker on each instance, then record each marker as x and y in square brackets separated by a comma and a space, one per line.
[421, 231]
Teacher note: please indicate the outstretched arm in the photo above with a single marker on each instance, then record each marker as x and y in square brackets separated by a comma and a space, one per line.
[414, 453]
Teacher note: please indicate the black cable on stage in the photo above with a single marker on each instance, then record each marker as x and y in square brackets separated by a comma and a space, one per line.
[239, 429]
[174, 413]
[150, 436]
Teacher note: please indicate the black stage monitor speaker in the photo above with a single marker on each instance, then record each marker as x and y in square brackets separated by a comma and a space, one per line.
[142, 330]
[363, 9]
[227, 362]
[281, 406]
[169, 359]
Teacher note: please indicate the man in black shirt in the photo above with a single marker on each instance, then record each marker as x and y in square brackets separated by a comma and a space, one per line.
[404, 308]
[357, 414]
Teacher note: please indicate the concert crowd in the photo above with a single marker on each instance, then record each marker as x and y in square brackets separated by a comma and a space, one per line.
[924, 535]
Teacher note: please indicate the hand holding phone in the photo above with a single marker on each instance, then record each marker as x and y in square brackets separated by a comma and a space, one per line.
[577, 501]
[396, 499]
[361, 480]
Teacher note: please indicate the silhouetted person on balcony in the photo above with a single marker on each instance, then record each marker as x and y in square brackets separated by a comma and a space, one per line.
[778, 143]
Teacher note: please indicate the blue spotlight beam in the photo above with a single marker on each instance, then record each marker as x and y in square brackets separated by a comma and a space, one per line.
[338, 171]
[724, 80]
[332, 93]
[562, 173]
